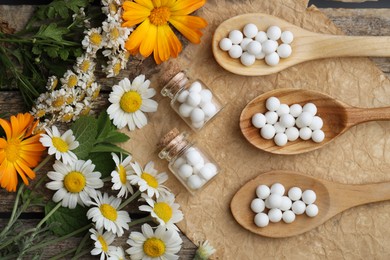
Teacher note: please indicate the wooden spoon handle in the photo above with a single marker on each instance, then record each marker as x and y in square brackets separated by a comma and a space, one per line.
[360, 115]
[326, 46]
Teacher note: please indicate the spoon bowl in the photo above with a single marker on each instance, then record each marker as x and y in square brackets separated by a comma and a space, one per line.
[337, 117]
[332, 198]
[306, 45]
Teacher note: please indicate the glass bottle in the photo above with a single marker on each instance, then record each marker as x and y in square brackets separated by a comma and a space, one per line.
[191, 165]
[195, 103]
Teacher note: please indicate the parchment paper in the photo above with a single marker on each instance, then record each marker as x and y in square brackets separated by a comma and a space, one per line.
[362, 155]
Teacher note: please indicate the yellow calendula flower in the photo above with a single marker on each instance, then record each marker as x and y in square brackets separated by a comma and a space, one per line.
[154, 33]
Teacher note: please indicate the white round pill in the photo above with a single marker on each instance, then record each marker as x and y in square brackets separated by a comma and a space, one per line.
[197, 115]
[250, 30]
[288, 216]
[311, 210]
[294, 193]
[209, 110]
[182, 97]
[280, 139]
[198, 167]
[311, 108]
[269, 46]
[305, 119]
[292, 133]
[193, 99]
[236, 36]
[247, 59]
[261, 37]
[206, 96]
[305, 133]
[185, 110]
[193, 157]
[286, 203]
[284, 50]
[279, 128]
[185, 171]
[254, 47]
[275, 215]
[277, 188]
[287, 120]
[260, 56]
[272, 103]
[263, 191]
[267, 131]
[309, 196]
[257, 205]
[295, 110]
[258, 120]
[195, 87]
[298, 207]
[272, 59]
[179, 162]
[271, 117]
[225, 44]
[261, 220]
[283, 109]
[274, 200]
[198, 125]
[316, 123]
[235, 51]
[287, 37]
[274, 32]
[244, 43]
[207, 173]
[194, 182]
[318, 136]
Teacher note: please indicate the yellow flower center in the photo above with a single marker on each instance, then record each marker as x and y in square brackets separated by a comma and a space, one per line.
[109, 212]
[67, 117]
[96, 93]
[69, 99]
[150, 180]
[163, 211]
[85, 65]
[116, 68]
[103, 243]
[72, 80]
[114, 33]
[160, 15]
[74, 182]
[85, 111]
[95, 38]
[60, 144]
[54, 84]
[122, 174]
[130, 102]
[40, 113]
[12, 150]
[113, 8]
[59, 102]
[154, 247]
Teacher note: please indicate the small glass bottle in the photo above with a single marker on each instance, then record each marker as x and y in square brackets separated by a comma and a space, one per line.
[192, 166]
[192, 100]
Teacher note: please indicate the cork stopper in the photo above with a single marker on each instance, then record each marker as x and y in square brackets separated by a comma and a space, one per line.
[172, 68]
[167, 138]
[172, 143]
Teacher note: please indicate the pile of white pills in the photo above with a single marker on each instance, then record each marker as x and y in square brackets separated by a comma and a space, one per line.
[286, 123]
[197, 104]
[193, 169]
[252, 44]
[272, 205]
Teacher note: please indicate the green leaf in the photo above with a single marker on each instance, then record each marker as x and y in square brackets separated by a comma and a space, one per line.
[51, 51]
[36, 50]
[104, 126]
[103, 162]
[106, 147]
[77, 52]
[75, 5]
[85, 130]
[51, 31]
[65, 221]
[116, 137]
[64, 54]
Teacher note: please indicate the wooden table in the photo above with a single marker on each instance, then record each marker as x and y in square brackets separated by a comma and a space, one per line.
[357, 21]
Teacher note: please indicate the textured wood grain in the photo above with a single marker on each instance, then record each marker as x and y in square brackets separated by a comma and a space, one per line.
[332, 198]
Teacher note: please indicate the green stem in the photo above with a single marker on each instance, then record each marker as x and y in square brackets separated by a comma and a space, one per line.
[61, 255]
[42, 163]
[126, 202]
[11, 219]
[140, 221]
[10, 241]
[86, 251]
[82, 243]
[106, 179]
[48, 215]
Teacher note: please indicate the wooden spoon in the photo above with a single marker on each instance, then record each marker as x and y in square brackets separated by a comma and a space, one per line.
[337, 116]
[306, 45]
[332, 198]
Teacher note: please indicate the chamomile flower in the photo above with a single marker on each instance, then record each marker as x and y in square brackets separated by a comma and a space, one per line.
[102, 243]
[111, 8]
[117, 254]
[74, 183]
[93, 40]
[84, 64]
[119, 175]
[60, 145]
[114, 66]
[129, 101]
[165, 211]
[204, 251]
[52, 83]
[149, 179]
[115, 34]
[69, 80]
[107, 215]
[158, 245]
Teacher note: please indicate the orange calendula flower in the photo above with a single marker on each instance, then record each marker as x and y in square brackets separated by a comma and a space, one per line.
[154, 33]
[19, 151]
